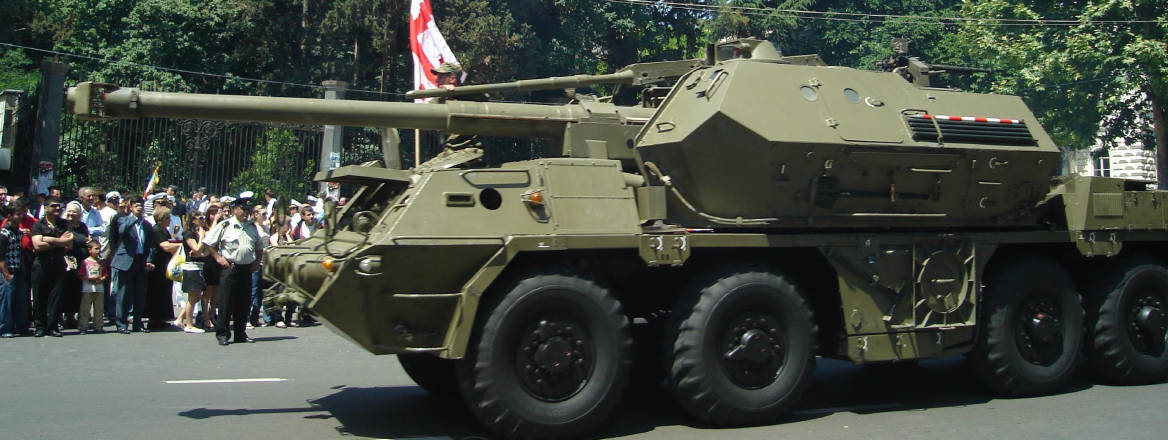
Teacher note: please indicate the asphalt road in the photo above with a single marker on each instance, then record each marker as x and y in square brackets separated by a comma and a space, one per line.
[308, 383]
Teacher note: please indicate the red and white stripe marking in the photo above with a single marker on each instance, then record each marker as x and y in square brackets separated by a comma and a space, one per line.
[971, 119]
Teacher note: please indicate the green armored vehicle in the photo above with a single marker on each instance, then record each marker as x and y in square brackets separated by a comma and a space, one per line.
[755, 213]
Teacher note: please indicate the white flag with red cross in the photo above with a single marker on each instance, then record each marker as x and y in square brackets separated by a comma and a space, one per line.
[427, 45]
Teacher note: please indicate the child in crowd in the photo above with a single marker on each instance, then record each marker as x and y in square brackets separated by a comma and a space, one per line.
[93, 275]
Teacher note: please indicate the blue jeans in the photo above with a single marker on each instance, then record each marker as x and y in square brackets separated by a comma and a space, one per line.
[257, 298]
[14, 304]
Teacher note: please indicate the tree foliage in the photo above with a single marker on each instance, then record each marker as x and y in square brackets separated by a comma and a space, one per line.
[1084, 82]
[1089, 82]
[17, 72]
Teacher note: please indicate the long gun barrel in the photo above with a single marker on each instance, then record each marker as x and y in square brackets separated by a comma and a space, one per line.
[526, 85]
[633, 74]
[947, 68]
[103, 101]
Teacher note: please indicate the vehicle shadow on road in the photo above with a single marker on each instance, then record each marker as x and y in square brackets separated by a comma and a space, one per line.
[840, 386]
[837, 387]
[397, 412]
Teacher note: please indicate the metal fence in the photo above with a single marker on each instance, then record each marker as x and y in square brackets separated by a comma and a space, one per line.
[121, 154]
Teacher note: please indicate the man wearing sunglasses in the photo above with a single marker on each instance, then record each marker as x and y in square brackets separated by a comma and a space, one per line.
[51, 240]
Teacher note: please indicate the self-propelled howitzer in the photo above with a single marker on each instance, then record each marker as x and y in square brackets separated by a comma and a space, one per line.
[760, 212]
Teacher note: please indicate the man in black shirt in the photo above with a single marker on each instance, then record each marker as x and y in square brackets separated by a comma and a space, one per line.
[51, 240]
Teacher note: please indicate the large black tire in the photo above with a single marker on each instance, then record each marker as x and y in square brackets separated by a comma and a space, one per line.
[1126, 334]
[1031, 328]
[743, 348]
[549, 358]
[431, 373]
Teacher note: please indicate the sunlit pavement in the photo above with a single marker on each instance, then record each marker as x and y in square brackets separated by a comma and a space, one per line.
[308, 383]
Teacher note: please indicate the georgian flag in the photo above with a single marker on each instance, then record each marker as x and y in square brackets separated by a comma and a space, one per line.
[427, 45]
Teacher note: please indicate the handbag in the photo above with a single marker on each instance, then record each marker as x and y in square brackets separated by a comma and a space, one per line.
[174, 267]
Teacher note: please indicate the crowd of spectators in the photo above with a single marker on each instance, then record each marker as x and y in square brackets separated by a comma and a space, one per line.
[103, 260]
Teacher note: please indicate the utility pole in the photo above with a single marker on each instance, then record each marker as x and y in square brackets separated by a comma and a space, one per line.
[48, 126]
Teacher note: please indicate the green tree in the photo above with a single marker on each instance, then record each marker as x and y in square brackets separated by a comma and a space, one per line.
[273, 167]
[17, 71]
[863, 36]
[1103, 78]
[754, 18]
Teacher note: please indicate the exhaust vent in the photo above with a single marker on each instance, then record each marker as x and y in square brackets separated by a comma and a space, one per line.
[968, 129]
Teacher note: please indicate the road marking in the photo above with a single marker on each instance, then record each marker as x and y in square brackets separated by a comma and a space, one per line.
[258, 379]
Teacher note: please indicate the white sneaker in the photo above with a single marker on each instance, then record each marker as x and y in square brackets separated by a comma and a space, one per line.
[193, 330]
[280, 324]
[249, 326]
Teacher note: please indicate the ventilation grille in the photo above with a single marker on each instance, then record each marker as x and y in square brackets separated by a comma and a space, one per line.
[970, 129]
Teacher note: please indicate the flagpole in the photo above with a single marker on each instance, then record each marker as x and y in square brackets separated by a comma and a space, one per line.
[429, 51]
[417, 147]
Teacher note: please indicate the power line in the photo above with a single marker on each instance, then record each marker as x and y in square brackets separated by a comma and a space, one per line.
[214, 75]
[185, 71]
[874, 18]
[313, 86]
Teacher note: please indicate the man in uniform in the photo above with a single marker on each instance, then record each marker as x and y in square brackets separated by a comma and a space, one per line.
[458, 150]
[235, 245]
[449, 75]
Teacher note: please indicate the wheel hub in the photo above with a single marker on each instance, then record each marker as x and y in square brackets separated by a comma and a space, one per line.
[554, 359]
[1042, 327]
[1149, 324]
[555, 355]
[755, 346]
[753, 351]
[1151, 321]
[1040, 332]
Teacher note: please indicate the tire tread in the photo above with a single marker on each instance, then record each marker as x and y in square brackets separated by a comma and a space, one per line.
[993, 353]
[1108, 350]
[478, 387]
[686, 372]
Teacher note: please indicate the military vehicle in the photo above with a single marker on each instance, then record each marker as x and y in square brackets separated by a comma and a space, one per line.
[756, 213]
